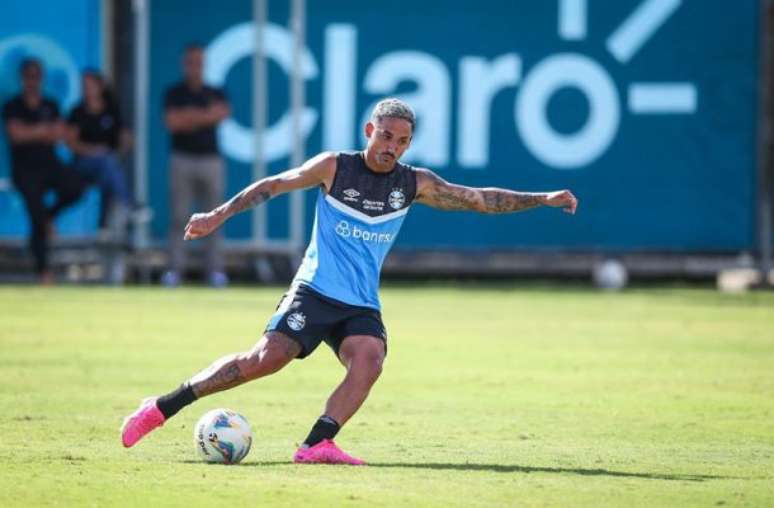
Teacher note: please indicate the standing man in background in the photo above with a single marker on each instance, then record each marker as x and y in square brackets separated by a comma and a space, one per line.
[33, 128]
[192, 111]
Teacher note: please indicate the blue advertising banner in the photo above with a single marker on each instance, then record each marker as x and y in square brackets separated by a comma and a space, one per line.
[646, 109]
[66, 37]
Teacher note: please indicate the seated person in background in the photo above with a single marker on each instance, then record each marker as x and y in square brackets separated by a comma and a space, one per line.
[33, 128]
[97, 137]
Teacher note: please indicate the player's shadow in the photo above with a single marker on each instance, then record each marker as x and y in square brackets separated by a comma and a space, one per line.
[512, 468]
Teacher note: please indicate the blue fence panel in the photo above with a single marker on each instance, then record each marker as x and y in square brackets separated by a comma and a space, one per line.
[66, 37]
[647, 109]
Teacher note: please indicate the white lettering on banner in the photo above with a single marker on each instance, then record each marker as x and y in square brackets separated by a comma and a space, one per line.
[223, 53]
[640, 26]
[340, 87]
[431, 102]
[649, 98]
[480, 81]
[583, 147]
[572, 19]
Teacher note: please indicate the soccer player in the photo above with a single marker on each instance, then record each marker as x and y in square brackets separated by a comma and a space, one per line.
[362, 202]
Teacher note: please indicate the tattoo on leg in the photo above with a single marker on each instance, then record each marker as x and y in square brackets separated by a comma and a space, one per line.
[290, 347]
[271, 354]
[221, 375]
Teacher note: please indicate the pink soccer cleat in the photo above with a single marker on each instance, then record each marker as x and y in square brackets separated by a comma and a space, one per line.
[145, 419]
[325, 452]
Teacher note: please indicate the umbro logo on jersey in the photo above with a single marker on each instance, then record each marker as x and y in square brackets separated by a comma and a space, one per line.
[350, 195]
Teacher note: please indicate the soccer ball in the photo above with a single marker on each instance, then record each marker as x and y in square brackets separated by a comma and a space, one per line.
[222, 436]
[610, 275]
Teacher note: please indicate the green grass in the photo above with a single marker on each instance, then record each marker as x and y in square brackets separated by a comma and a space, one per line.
[491, 396]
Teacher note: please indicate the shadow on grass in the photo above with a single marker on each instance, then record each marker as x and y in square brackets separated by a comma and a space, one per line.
[509, 468]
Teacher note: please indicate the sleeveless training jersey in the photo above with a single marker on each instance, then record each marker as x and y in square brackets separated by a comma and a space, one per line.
[354, 227]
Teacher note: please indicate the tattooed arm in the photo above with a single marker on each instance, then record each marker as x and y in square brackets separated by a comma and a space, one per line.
[318, 170]
[434, 191]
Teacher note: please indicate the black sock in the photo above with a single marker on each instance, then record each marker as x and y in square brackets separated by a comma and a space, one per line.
[324, 428]
[175, 400]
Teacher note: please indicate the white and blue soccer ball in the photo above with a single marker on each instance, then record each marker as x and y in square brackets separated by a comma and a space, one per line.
[222, 436]
[610, 275]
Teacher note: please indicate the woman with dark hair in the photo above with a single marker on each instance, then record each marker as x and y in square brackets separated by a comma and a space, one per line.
[97, 137]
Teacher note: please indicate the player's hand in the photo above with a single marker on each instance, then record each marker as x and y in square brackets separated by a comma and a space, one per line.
[562, 199]
[199, 225]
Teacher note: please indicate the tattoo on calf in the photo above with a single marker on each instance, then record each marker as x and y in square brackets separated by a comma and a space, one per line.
[220, 376]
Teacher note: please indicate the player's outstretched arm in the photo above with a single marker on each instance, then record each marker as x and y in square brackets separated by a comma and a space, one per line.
[434, 191]
[318, 170]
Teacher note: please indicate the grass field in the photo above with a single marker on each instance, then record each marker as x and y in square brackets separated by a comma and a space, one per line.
[491, 396]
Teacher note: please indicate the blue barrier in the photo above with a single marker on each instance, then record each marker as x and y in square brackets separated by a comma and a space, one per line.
[66, 37]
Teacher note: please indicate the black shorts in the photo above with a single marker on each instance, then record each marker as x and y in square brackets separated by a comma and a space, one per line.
[309, 318]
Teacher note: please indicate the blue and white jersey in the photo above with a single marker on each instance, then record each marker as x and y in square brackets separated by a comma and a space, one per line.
[355, 225]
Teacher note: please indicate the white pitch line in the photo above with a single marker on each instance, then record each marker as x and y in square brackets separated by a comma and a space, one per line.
[572, 19]
[662, 98]
[639, 27]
